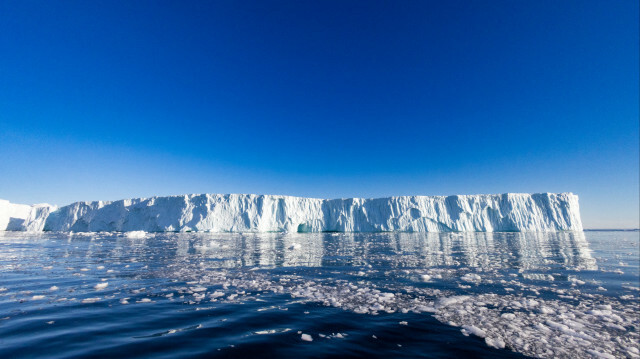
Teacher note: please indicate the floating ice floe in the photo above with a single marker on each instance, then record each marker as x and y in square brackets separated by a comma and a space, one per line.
[306, 337]
[471, 277]
[529, 324]
[100, 286]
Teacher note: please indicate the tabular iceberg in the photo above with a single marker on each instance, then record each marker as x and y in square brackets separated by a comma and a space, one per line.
[267, 213]
[22, 217]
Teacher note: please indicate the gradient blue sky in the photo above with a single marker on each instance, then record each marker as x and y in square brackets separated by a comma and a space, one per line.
[116, 99]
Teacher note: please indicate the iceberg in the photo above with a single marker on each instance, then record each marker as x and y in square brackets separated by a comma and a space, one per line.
[22, 217]
[510, 212]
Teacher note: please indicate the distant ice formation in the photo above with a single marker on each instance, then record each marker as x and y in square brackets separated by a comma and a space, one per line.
[517, 212]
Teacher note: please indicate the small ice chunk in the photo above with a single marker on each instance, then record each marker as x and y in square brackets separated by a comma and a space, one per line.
[600, 355]
[53, 288]
[447, 301]
[495, 342]
[546, 310]
[263, 332]
[403, 323]
[471, 277]
[475, 330]
[306, 337]
[508, 316]
[37, 297]
[101, 286]
[216, 294]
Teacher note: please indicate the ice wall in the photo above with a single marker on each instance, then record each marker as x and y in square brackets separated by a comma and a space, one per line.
[22, 217]
[266, 213]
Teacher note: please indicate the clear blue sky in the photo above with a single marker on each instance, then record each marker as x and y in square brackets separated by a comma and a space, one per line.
[116, 99]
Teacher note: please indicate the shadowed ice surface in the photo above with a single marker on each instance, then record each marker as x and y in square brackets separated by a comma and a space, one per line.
[568, 294]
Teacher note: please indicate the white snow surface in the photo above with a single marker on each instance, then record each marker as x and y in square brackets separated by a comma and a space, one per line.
[541, 212]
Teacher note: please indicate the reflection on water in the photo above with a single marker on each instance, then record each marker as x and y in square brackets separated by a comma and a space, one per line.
[540, 294]
[568, 250]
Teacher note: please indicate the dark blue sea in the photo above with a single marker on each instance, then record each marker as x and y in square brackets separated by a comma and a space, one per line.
[327, 295]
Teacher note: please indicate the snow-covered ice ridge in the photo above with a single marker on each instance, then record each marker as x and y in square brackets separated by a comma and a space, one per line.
[540, 212]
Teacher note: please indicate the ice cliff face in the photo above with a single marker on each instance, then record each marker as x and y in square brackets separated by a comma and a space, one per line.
[266, 213]
[22, 217]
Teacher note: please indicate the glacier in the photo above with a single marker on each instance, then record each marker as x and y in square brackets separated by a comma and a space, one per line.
[509, 212]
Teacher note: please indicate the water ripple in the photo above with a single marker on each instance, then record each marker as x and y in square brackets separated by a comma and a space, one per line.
[319, 295]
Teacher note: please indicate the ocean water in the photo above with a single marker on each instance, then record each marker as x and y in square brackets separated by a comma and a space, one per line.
[486, 295]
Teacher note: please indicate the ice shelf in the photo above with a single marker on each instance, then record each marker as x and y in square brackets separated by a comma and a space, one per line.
[540, 212]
